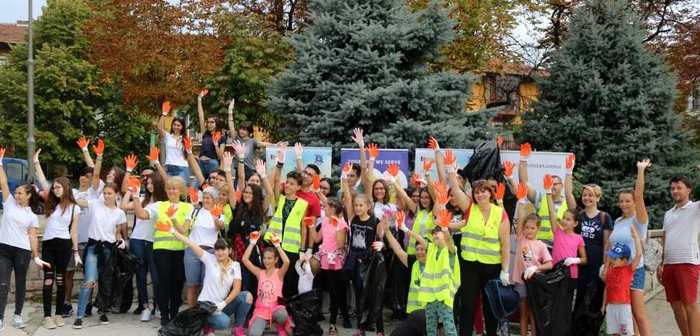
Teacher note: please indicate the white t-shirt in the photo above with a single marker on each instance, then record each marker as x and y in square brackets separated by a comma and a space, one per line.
[104, 221]
[16, 221]
[215, 289]
[204, 230]
[379, 209]
[59, 222]
[174, 154]
[85, 215]
[306, 277]
[144, 229]
[682, 229]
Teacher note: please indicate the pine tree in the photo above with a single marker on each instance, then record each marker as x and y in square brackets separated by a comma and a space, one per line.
[363, 63]
[610, 100]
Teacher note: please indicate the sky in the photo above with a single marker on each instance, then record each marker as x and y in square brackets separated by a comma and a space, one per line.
[13, 10]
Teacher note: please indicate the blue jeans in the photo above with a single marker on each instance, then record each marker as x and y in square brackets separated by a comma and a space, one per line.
[184, 172]
[91, 271]
[238, 308]
[194, 268]
[143, 249]
[208, 166]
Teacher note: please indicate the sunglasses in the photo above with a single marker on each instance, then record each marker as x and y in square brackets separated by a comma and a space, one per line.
[479, 182]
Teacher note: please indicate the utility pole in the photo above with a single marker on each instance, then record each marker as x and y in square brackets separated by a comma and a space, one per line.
[31, 142]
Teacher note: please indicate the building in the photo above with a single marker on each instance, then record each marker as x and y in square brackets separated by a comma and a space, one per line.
[10, 34]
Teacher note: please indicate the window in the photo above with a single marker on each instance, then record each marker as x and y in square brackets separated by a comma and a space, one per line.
[15, 171]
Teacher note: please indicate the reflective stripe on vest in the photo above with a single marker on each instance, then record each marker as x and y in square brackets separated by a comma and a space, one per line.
[481, 242]
[423, 225]
[291, 235]
[440, 280]
[165, 240]
[413, 303]
[545, 232]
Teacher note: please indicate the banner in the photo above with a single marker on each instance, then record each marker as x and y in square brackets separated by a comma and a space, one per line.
[539, 164]
[386, 156]
[320, 156]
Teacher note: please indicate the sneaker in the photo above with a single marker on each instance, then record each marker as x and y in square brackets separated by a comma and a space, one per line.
[208, 331]
[2, 326]
[67, 309]
[17, 321]
[155, 313]
[48, 323]
[59, 321]
[104, 320]
[146, 315]
[359, 332]
[78, 324]
[88, 310]
[139, 310]
[238, 331]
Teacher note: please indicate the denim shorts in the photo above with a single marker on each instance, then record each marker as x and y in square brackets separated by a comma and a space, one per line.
[194, 268]
[638, 279]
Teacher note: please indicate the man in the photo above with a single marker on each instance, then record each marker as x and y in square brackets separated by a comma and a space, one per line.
[680, 261]
[307, 178]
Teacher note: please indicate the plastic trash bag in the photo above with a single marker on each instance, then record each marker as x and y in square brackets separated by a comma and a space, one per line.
[485, 163]
[188, 322]
[304, 310]
[550, 300]
[587, 317]
[395, 293]
[373, 281]
[652, 254]
[114, 275]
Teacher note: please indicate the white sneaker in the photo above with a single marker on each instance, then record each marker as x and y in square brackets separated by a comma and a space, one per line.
[157, 314]
[17, 320]
[2, 326]
[146, 315]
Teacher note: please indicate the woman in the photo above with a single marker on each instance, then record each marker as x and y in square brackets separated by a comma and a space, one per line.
[18, 241]
[167, 253]
[213, 141]
[104, 234]
[141, 242]
[175, 155]
[222, 284]
[634, 213]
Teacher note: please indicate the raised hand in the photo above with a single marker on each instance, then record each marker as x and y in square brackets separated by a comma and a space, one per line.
[570, 162]
[165, 227]
[83, 143]
[217, 210]
[308, 222]
[260, 169]
[499, 142]
[644, 164]
[525, 151]
[281, 153]
[165, 108]
[100, 148]
[393, 169]
[508, 167]
[433, 144]
[134, 185]
[500, 191]
[442, 194]
[388, 177]
[231, 105]
[228, 160]
[450, 158]
[373, 150]
[298, 150]
[172, 211]
[153, 156]
[358, 137]
[216, 137]
[253, 237]
[444, 219]
[346, 170]
[131, 161]
[239, 148]
[194, 195]
[275, 240]
[2, 154]
[400, 217]
[521, 192]
[203, 93]
[316, 184]
[548, 183]
[238, 196]
[35, 157]
[187, 142]
[427, 164]
[417, 180]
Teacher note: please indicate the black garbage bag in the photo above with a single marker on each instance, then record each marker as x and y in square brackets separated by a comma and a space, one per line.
[550, 300]
[304, 309]
[114, 275]
[587, 317]
[188, 322]
[395, 292]
[373, 280]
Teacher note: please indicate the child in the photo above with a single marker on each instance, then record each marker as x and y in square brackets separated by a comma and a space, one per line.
[568, 245]
[306, 276]
[616, 301]
[531, 257]
[270, 282]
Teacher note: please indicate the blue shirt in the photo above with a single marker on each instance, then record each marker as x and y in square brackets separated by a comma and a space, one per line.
[208, 148]
[622, 232]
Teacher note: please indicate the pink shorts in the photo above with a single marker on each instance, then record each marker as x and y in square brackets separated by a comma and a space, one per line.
[681, 282]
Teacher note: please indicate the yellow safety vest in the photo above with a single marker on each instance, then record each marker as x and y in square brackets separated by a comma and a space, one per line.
[413, 290]
[481, 242]
[440, 279]
[423, 225]
[291, 235]
[545, 232]
[165, 240]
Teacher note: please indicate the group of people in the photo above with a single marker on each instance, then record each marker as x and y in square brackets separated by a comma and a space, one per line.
[449, 236]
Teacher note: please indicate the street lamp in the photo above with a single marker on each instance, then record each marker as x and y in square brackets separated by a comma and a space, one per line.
[31, 142]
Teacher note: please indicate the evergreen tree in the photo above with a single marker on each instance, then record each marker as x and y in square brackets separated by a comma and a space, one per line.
[610, 100]
[363, 63]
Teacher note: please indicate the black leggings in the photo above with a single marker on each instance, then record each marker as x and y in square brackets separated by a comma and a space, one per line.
[475, 275]
[17, 259]
[56, 252]
[336, 290]
[172, 267]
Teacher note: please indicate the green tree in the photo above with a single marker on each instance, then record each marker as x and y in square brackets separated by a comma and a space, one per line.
[364, 64]
[610, 100]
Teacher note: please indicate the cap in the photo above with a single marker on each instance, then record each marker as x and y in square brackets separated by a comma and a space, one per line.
[620, 250]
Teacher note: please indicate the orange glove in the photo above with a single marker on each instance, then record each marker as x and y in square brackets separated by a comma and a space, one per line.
[548, 183]
[373, 150]
[2, 154]
[500, 191]
[346, 170]
[134, 185]
[172, 210]
[525, 151]
[427, 164]
[131, 162]
[393, 169]
[451, 161]
[499, 142]
[444, 219]
[238, 196]
[401, 220]
[194, 197]
[433, 144]
[442, 193]
[570, 161]
[153, 157]
[509, 167]
[275, 240]
[308, 222]
[187, 142]
[83, 143]
[100, 148]
[216, 137]
[316, 182]
[417, 180]
[165, 227]
[203, 93]
[217, 210]
[253, 237]
[521, 193]
[165, 108]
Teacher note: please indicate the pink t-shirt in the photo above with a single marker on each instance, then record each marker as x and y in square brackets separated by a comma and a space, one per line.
[566, 245]
[528, 253]
[269, 289]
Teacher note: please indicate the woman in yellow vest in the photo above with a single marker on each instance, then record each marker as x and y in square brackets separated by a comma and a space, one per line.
[169, 252]
[423, 209]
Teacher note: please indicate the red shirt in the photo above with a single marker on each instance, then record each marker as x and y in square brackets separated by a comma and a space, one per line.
[314, 205]
[618, 284]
